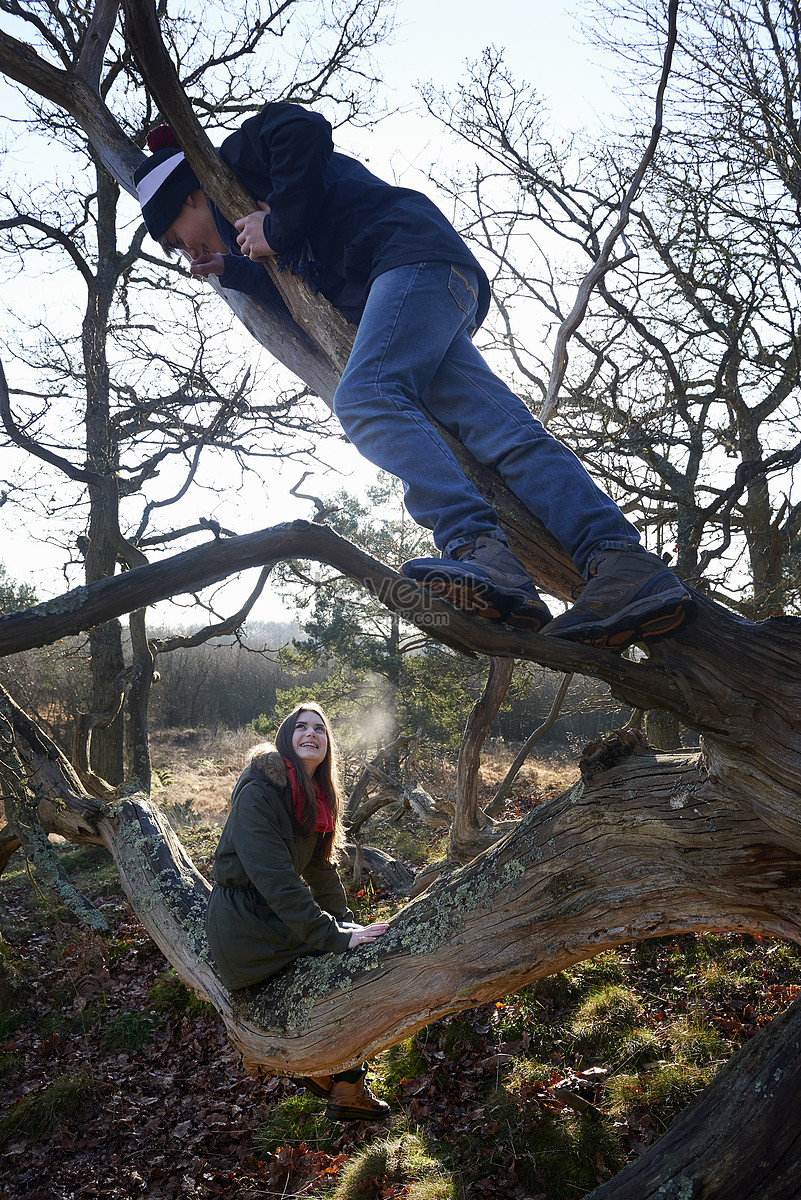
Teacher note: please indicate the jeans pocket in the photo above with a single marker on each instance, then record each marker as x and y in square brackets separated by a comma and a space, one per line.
[463, 286]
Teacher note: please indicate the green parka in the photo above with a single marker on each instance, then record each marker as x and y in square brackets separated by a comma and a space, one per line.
[273, 900]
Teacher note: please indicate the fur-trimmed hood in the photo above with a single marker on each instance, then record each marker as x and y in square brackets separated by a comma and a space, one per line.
[267, 763]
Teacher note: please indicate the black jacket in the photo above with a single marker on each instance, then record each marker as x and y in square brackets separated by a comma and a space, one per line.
[329, 216]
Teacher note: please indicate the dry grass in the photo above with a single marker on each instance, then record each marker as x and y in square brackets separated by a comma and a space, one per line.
[199, 768]
[548, 775]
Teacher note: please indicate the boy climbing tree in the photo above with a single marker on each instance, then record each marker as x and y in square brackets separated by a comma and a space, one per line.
[391, 263]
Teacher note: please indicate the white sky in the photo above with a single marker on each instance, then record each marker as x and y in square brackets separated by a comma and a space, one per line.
[434, 39]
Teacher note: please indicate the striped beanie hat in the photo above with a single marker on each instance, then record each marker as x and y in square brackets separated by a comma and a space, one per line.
[163, 181]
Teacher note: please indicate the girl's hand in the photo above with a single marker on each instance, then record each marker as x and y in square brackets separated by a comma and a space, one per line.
[207, 264]
[251, 234]
[367, 933]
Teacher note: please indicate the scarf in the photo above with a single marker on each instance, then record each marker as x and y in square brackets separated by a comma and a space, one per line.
[325, 816]
[300, 261]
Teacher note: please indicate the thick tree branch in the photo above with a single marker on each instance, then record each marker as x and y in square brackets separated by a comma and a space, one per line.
[466, 821]
[68, 91]
[89, 66]
[704, 675]
[735, 1142]
[24, 823]
[87, 606]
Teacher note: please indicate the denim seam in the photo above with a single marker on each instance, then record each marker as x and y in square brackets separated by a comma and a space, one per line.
[469, 311]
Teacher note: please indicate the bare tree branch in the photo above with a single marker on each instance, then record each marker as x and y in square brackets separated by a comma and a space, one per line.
[21, 439]
[499, 799]
[467, 820]
[89, 66]
[114, 149]
[603, 265]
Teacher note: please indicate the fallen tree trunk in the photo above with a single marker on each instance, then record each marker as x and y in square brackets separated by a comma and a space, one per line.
[596, 867]
[390, 872]
[647, 845]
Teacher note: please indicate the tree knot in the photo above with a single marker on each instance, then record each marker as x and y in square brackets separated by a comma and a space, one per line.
[607, 752]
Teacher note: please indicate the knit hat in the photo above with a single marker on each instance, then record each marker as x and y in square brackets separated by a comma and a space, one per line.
[163, 181]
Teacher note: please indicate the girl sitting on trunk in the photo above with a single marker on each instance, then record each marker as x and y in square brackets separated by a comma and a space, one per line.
[277, 895]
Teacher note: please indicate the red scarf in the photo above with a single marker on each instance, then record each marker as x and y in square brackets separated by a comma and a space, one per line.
[325, 815]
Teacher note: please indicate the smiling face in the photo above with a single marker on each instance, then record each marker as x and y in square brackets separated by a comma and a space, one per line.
[309, 740]
[193, 230]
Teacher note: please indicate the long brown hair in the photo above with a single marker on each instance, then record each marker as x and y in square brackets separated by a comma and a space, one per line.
[326, 775]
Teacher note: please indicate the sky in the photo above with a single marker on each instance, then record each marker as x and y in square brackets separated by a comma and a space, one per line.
[542, 44]
[541, 40]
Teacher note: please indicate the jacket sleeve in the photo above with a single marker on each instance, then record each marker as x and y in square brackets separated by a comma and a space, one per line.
[326, 887]
[291, 147]
[264, 854]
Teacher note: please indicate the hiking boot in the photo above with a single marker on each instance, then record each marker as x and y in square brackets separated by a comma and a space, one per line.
[355, 1102]
[631, 596]
[319, 1085]
[485, 579]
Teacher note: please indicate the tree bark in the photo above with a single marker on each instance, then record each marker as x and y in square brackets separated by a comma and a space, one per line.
[663, 730]
[141, 679]
[466, 827]
[101, 546]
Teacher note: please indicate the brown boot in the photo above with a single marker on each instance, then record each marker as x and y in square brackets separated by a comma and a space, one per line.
[630, 596]
[484, 578]
[355, 1102]
[318, 1085]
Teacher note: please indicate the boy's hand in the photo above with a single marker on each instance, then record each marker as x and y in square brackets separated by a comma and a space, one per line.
[251, 234]
[207, 264]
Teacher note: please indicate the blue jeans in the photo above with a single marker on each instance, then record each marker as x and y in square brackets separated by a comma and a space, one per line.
[413, 345]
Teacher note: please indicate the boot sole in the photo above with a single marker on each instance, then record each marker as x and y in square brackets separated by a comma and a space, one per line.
[338, 1112]
[480, 598]
[649, 627]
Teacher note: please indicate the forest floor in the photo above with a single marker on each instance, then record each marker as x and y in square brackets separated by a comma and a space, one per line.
[116, 1081]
